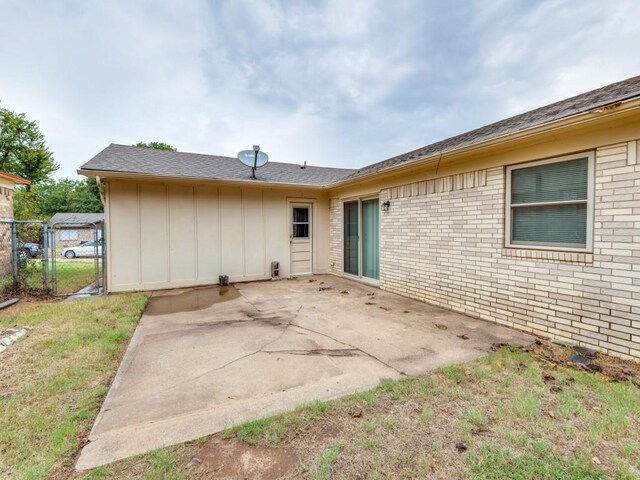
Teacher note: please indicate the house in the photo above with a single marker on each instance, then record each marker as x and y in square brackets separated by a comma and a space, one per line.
[531, 222]
[8, 184]
[71, 229]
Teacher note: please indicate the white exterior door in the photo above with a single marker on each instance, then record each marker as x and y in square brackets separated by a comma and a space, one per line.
[301, 248]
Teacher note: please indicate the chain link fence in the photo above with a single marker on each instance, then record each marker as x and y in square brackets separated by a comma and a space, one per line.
[23, 256]
[58, 259]
[76, 257]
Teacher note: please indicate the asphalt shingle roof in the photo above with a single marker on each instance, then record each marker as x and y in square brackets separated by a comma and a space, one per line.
[77, 218]
[137, 160]
[164, 163]
[582, 103]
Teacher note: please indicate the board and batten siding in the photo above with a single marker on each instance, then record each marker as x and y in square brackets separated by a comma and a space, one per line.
[168, 235]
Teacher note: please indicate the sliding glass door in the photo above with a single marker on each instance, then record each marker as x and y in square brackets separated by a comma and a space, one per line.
[351, 236]
[370, 239]
[361, 238]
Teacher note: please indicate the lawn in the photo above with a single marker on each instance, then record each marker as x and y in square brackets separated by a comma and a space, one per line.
[511, 414]
[71, 275]
[52, 382]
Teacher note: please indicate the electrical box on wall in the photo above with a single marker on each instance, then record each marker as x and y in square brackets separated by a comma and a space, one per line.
[275, 269]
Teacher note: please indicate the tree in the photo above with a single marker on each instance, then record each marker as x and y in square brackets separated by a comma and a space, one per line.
[50, 197]
[22, 148]
[156, 145]
[25, 204]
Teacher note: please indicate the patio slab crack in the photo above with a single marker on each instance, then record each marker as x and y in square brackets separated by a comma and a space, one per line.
[353, 347]
[286, 325]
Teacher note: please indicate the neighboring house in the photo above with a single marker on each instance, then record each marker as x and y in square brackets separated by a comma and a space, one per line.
[531, 222]
[71, 229]
[8, 184]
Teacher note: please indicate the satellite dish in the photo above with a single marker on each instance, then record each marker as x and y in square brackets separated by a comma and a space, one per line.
[253, 159]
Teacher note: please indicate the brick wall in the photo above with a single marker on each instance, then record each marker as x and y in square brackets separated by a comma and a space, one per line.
[442, 242]
[335, 236]
[6, 212]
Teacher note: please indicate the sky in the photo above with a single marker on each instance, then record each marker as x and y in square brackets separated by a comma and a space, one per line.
[334, 83]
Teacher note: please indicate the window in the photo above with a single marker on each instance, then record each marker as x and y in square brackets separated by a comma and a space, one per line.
[550, 204]
[300, 222]
[69, 235]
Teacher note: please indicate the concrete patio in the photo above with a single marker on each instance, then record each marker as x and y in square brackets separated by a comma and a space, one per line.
[205, 359]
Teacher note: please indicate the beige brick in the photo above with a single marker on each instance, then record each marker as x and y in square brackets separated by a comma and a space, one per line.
[443, 243]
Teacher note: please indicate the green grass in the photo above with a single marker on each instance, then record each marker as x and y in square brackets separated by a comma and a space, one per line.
[57, 377]
[494, 462]
[511, 423]
[476, 417]
[71, 275]
[326, 461]
[270, 431]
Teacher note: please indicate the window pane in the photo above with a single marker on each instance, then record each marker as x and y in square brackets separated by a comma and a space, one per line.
[552, 182]
[552, 225]
[68, 235]
[301, 230]
[301, 214]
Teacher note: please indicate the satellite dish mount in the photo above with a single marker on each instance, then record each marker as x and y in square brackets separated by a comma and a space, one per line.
[253, 159]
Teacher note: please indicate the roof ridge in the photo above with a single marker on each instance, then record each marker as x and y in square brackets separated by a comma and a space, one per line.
[327, 177]
[171, 152]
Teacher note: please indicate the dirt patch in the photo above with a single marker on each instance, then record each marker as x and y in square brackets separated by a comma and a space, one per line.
[584, 359]
[191, 300]
[233, 460]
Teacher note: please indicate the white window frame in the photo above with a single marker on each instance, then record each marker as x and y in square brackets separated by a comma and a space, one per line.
[308, 222]
[590, 204]
[359, 277]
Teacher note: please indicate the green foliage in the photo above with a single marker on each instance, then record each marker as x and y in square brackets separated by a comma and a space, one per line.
[50, 197]
[156, 145]
[68, 195]
[26, 204]
[22, 148]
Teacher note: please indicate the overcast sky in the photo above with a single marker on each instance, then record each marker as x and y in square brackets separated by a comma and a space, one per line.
[335, 83]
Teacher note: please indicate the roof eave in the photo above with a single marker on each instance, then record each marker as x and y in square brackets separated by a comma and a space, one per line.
[216, 181]
[614, 108]
[15, 178]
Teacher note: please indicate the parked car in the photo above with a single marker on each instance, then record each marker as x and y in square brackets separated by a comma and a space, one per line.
[85, 249]
[30, 249]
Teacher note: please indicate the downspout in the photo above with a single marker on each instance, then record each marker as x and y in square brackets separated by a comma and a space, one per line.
[100, 191]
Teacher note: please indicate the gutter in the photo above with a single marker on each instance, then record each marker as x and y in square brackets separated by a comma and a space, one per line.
[106, 174]
[611, 109]
[14, 178]
[606, 110]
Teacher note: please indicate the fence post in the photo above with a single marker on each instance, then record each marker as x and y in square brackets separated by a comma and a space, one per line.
[54, 285]
[103, 259]
[45, 253]
[14, 253]
[96, 275]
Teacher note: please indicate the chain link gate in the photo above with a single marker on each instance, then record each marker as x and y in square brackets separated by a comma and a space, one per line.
[24, 256]
[76, 258]
[60, 259]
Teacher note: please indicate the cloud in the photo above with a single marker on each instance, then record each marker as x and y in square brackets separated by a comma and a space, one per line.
[332, 82]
